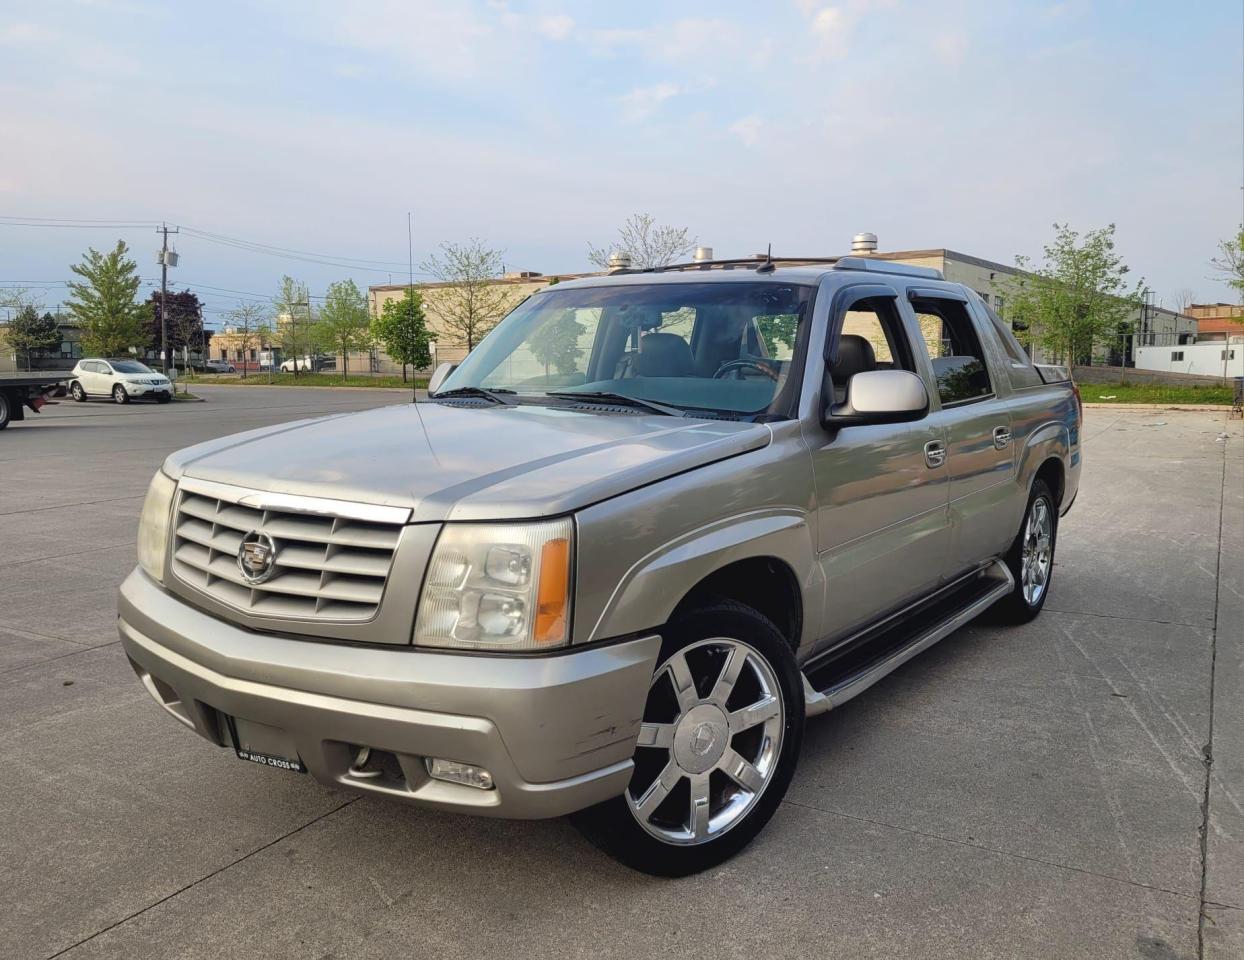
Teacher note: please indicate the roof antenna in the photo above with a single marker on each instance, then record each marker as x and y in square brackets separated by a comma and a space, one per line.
[768, 266]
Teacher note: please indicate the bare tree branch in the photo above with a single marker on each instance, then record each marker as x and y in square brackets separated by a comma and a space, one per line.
[646, 242]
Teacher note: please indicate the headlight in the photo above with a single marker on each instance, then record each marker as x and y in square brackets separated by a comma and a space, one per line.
[498, 587]
[153, 525]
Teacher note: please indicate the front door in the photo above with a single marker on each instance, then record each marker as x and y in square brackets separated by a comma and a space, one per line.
[980, 453]
[881, 489]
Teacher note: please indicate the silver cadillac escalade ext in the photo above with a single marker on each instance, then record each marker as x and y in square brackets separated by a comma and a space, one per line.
[651, 523]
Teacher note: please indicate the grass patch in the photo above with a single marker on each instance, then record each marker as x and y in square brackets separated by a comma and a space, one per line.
[181, 395]
[314, 380]
[1153, 393]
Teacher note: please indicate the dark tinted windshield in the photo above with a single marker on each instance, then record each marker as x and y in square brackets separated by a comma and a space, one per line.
[129, 366]
[725, 347]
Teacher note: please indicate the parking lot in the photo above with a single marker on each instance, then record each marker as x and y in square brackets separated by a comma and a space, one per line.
[1037, 791]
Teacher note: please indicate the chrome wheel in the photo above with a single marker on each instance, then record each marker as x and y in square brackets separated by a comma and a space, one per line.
[1038, 551]
[709, 742]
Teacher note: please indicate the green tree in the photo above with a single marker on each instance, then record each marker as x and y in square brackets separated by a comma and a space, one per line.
[1077, 298]
[344, 321]
[28, 331]
[556, 343]
[778, 328]
[294, 319]
[103, 303]
[471, 302]
[403, 330]
[1230, 261]
[249, 320]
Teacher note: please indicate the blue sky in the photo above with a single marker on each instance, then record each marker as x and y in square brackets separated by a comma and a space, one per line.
[540, 126]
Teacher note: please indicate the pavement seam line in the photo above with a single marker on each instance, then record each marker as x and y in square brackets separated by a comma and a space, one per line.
[71, 653]
[987, 849]
[1111, 616]
[203, 879]
[1208, 750]
[69, 506]
[66, 556]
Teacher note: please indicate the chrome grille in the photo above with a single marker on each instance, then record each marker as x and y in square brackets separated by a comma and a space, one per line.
[327, 567]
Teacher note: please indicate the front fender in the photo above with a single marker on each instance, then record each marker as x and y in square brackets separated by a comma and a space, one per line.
[654, 585]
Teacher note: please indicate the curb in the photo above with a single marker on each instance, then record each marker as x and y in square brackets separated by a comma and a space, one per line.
[1182, 407]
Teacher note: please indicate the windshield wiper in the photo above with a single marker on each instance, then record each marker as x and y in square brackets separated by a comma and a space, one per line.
[620, 399]
[493, 395]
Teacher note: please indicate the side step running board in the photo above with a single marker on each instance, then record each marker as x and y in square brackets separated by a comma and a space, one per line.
[854, 665]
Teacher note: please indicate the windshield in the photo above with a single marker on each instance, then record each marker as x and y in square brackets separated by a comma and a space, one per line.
[129, 366]
[725, 348]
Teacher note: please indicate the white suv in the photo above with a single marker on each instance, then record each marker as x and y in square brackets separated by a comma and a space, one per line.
[122, 380]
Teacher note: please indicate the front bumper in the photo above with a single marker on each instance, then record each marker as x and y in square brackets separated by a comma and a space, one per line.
[147, 390]
[556, 732]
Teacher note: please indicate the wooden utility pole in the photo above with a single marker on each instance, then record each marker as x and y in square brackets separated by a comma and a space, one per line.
[166, 261]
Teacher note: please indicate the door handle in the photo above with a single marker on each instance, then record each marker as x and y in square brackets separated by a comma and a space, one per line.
[934, 454]
[1001, 437]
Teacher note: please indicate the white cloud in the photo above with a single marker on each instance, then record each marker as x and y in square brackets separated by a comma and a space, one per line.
[556, 27]
[949, 47]
[642, 102]
[834, 27]
[747, 129]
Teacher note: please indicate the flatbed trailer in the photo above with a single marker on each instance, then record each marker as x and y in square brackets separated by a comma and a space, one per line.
[22, 391]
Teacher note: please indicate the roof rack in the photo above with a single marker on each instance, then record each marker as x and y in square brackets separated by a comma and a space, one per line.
[762, 260]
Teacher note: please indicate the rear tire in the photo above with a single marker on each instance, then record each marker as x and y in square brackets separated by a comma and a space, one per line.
[119, 395]
[1031, 558]
[715, 760]
[6, 409]
[76, 391]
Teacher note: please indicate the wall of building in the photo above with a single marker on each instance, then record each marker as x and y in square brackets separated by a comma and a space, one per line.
[1221, 359]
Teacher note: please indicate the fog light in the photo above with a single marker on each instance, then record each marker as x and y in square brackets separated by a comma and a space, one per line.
[456, 772]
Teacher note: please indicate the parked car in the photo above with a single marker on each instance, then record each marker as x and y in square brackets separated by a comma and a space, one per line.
[309, 364]
[122, 380]
[218, 366]
[615, 584]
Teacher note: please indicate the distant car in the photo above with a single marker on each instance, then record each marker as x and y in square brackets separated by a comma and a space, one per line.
[309, 364]
[218, 366]
[122, 380]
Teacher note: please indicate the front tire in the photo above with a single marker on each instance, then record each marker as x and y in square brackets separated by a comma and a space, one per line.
[76, 391]
[718, 745]
[119, 395]
[1031, 558]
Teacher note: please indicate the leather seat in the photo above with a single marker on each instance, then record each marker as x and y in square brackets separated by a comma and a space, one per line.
[855, 355]
[663, 355]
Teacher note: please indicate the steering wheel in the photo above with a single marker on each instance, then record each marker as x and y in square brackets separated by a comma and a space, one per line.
[766, 367]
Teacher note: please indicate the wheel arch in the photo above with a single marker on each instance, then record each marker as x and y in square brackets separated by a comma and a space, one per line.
[766, 556]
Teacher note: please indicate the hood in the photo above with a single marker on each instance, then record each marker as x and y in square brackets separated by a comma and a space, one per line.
[468, 463]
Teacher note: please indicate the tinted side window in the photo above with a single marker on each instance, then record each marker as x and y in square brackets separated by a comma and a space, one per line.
[871, 338]
[954, 349]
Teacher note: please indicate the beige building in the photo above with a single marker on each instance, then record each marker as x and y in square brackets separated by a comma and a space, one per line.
[1218, 321]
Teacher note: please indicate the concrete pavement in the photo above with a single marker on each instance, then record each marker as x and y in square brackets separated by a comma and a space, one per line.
[1038, 791]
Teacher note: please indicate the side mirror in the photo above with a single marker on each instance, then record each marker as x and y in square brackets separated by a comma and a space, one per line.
[879, 396]
[439, 375]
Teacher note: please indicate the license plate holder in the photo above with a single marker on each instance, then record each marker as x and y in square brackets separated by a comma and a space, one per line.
[261, 744]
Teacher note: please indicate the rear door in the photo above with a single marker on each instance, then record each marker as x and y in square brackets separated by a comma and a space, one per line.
[94, 380]
[976, 417]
